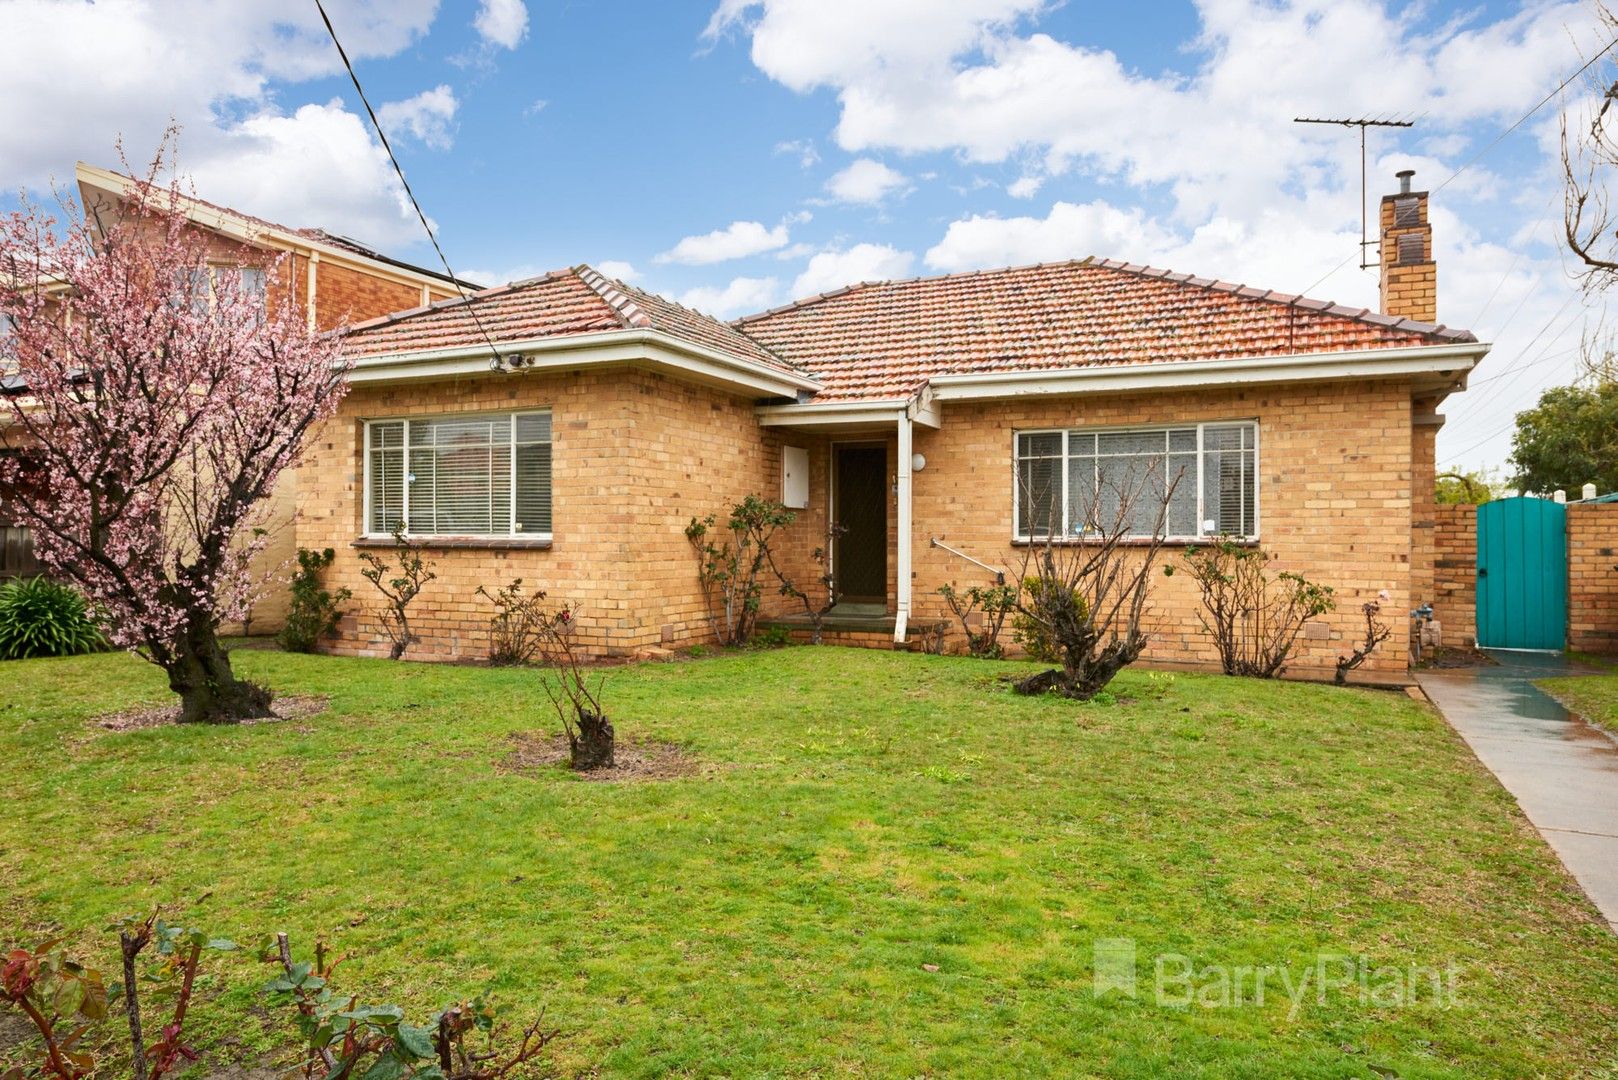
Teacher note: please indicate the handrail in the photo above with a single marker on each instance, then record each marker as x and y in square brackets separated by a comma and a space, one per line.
[999, 575]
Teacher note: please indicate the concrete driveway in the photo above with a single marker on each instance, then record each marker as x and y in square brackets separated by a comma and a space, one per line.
[1562, 771]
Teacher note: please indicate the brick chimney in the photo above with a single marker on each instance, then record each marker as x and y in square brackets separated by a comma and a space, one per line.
[1409, 274]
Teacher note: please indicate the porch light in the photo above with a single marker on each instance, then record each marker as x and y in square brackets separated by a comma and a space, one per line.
[918, 462]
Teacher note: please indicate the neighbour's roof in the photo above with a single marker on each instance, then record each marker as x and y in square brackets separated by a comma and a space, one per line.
[883, 340]
[575, 301]
[101, 177]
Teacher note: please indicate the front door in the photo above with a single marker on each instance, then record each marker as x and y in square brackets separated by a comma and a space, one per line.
[860, 550]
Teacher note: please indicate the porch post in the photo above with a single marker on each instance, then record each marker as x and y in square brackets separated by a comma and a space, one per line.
[902, 594]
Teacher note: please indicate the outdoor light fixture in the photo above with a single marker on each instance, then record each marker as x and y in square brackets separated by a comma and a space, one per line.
[918, 462]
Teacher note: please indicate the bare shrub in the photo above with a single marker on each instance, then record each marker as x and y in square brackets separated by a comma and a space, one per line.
[589, 732]
[399, 589]
[1087, 582]
[1376, 632]
[515, 627]
[1255, 619]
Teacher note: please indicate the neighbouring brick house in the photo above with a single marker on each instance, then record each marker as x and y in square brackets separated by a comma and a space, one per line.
[573, 453]
[335, 280]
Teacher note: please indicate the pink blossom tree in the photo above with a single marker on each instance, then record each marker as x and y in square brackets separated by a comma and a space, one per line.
[154, 400]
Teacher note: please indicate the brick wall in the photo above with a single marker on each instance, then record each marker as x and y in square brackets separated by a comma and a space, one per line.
[1335, 475]
[1592, 578]
[635, 456]
[341, 293]
[1409, 281]
[1455, 582]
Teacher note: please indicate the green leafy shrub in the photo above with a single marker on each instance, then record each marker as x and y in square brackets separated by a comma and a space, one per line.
[1255, 619]
[991, 604]
[314, 612]
[1031, 633]
[39, 617]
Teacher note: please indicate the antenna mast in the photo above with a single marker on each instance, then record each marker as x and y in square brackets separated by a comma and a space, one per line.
[1362, 124]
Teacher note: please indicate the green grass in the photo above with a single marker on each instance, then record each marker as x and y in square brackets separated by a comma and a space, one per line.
[871, 816]
[1594, 697]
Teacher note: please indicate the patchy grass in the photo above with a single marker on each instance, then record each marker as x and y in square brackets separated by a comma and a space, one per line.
[1594, 697]
[885, 865]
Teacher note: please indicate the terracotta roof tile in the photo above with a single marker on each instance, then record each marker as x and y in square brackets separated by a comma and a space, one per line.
[564, 302]
[886, 339]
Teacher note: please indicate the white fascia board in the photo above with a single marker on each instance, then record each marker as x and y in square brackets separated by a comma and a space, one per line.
[579, 350]
[1447, 360]
[887, 410]
[229, 225]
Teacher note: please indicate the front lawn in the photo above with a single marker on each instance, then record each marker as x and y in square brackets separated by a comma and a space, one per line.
[1594, 697]
[887, 865]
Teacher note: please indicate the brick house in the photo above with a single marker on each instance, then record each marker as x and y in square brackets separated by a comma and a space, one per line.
[566, 428]
[335, 279]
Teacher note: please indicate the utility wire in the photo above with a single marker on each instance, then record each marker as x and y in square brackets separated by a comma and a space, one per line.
[382, 135]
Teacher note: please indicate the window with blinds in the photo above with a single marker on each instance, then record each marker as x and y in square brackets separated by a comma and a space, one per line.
[1200, 480]
[459, 475]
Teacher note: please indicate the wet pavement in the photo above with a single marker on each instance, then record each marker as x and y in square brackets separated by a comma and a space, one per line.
[1562, 771]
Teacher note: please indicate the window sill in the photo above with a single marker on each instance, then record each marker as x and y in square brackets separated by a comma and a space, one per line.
[1176, 542]
[453, 543]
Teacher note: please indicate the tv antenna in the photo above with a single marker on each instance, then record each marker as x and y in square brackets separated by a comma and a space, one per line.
[1362, 124]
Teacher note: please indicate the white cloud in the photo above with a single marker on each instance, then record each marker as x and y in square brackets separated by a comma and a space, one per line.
[737, 240]
[1069, 232]
[101, 71]
[316, 167]
[740, 296]
[502, 22]
[862, 262]
[865, 181]
[1025, 187]
[803, 149]
[615, 268]
[425, 117]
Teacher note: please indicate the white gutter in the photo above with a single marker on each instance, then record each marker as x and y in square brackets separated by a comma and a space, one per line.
[1441, 360]
[880, 411]
[575, 350]
[902, 599]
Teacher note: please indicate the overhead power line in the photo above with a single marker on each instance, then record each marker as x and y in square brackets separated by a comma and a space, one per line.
[399, 170]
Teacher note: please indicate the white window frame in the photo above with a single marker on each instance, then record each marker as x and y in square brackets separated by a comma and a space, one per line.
[1019, 537]
[511, 534]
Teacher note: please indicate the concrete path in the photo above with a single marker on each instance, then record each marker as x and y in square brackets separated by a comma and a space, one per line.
[1562, 771]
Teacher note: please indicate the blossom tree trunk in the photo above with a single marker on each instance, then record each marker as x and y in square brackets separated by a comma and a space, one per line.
[156, 398]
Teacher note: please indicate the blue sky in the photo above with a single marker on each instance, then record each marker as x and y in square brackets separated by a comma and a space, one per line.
[737, 154]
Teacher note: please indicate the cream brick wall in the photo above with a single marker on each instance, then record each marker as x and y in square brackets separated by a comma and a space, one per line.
[1335, 481]
[1592, 578]
[635, 456]
[1455, 587]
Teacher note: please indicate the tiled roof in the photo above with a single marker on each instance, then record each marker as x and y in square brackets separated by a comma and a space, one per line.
[886, 339]
[563, 302]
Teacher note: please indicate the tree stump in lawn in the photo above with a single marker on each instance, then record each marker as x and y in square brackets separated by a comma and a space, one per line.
[592, 745]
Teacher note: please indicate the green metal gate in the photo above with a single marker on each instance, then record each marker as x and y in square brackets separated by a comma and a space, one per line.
[1522, 574]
